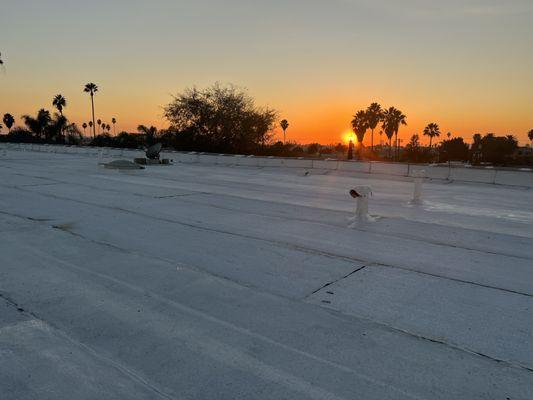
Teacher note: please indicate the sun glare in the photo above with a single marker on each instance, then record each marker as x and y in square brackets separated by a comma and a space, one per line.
[349, 135]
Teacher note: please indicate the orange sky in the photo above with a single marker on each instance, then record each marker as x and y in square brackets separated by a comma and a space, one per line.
[463, 64]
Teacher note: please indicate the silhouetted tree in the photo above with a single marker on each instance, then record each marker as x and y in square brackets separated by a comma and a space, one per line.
[71, 133]
[340, 148]
[84, 126]
[493, 149]
[392, 119]
[149, 133]
[38, 125]
[453, 150]
[374, 115]
[360, 126]
[99, 122]
[284, 125]
[9, 121]
[432, 130]
[313, 149]
[114, 121]
[412, 149]
[220, 118]
[529, 134]
[91, 88]
[56, 127]
[59, 102]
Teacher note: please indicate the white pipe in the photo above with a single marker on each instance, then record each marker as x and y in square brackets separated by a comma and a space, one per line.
[417, 189]
[361, 195]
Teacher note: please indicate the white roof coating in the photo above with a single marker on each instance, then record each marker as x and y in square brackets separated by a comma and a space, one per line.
[196, 281]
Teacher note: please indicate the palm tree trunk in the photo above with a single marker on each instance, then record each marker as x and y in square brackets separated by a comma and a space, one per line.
[94, 125]
[372, 140]
[396, 145]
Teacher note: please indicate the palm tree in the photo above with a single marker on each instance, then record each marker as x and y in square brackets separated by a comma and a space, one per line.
[108, 127]
[84, 126]
[9, 121]
[91, 125]
[432, 130]
[99, 122]
[1, 128]
[91, 88]
[529, 134]
[40, 124]
[374, 115]
[114, 121]
[392, 119]
[360, 126]
[59, 102]
[284, 125]
[150, 133]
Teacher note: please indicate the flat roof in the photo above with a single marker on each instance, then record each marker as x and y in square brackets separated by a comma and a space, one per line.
[199, 281]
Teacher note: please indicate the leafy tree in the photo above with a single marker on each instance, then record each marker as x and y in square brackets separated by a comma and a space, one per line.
[432, 130]
[313, 149]
[125, 139]
[19, 134]
[72, 133]
[91, 88]
[340, 148]
[284, 125]
[412, 149]
[374, 115]
[493, 149]
[9, 121]
[220, 118]
[453, 150]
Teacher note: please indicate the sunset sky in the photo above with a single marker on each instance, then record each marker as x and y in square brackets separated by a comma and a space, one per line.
[464, 64]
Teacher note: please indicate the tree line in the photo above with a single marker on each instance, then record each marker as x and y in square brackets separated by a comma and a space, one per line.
[225, 119]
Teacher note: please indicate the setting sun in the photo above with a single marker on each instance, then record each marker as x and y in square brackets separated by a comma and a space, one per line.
[349, 135]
